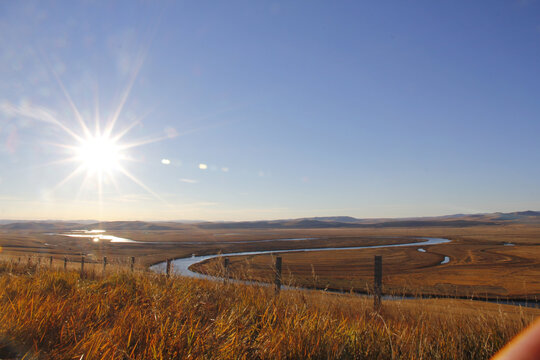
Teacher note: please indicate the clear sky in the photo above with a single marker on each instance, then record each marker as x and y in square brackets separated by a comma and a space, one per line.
[241, 110]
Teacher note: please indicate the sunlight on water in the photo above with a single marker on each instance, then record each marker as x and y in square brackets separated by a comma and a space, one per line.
[97, 236]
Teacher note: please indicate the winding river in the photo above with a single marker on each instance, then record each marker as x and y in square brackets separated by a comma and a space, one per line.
[181, 266]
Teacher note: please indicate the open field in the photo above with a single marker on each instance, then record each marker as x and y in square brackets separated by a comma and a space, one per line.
[480, 264]
[157, 246]
[121, 315]
[49, 313]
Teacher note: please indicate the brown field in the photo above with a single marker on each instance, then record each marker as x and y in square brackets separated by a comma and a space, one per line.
[480, 264]
[47, 313]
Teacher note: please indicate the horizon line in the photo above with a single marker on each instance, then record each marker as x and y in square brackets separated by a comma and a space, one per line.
[276, 219]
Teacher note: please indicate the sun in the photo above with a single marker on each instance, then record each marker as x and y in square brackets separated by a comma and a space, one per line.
[99, 154]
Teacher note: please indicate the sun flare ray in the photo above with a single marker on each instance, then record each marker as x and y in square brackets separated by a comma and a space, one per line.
[125, 95]
[144, 142]
[55, 162]
[78, 115]
[140, 183]
[127, 129]
[99, 155]
[83, 185]
[96, 148]
[70, 176]
[40, 114]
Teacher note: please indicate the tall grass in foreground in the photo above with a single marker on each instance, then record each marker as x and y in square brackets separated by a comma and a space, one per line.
[124, 315]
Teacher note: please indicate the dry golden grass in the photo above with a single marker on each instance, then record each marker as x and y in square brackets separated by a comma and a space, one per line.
[480, 265]
[50, 314]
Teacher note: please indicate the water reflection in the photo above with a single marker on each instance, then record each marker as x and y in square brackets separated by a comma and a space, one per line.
[97, 236]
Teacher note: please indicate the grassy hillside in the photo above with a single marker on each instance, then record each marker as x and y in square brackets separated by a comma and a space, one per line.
[57, 315]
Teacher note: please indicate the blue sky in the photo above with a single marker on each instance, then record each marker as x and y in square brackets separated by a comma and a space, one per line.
[264, 110]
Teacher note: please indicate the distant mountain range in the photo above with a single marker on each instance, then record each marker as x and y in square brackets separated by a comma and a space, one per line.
[456, 220]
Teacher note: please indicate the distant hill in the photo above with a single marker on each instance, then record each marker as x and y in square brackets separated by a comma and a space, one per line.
[317, 224]
[39, 225]
[528, 213]
[112, 225]
[525, 216]
[456, 220]
[135, 225]
[342, 219]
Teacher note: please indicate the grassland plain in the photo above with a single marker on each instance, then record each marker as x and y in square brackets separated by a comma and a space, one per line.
[50, 314]
[482, 265]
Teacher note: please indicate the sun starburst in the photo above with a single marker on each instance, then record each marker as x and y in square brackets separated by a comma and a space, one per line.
[99, 154]
[101, 157]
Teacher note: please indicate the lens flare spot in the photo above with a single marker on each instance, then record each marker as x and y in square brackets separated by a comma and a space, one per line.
[203, 166]
[165, 161]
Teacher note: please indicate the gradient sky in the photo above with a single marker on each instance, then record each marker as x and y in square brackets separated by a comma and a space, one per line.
[296, 109]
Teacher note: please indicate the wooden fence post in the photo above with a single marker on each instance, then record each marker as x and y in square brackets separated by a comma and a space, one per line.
[104, 263]
[168, 267]
[82, 266]
[50, 264]
[277, 281]
[65, 263]
[377, 286]
[132, 263]
[225, 268]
